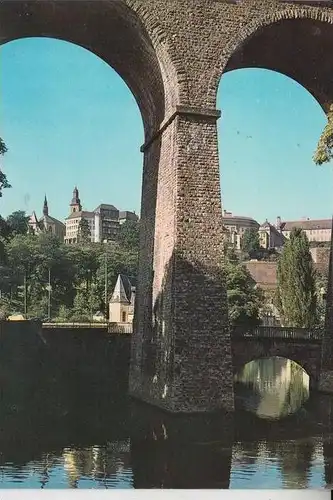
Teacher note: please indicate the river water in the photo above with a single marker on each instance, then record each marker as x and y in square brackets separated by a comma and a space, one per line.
[71, 433]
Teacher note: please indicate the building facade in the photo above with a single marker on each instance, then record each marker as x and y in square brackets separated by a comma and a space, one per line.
[316, 229]
[125, 216]
[75, 217]
[103, 222]
[270, 237]
[234, 227]
[106, 223]
[46, 223]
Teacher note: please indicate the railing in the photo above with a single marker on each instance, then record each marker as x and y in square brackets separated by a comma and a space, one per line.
[276, 332]
[115, 328]
[74, 324]
[268, 332]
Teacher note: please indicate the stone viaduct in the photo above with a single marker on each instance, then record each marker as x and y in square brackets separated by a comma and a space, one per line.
[172, 54]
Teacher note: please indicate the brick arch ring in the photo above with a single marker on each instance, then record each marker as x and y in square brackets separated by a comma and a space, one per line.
[250, 29]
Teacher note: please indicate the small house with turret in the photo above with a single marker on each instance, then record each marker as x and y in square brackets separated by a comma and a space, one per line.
[121, 306]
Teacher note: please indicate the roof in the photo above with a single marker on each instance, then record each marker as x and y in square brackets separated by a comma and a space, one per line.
[307, 224]
[123, 290]
[268, 225]
[105, 206]
[125, 214]
[33, 218]
[263, 273]
[45, 218]
[51, 220]
[238, 219]
[82, 214]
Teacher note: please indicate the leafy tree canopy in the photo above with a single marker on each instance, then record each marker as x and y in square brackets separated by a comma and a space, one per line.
[250, 242]
[324, 151]
[244, 297]
[3, 178]
[17, 223]
[129, 234]
[296, 283]
[84, 234]
[77, 274]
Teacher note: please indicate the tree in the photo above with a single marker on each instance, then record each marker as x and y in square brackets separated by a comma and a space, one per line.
[324, 151]
[129, 234]
[84, 234]
[244, 297]
[18, 223]
[3, 178]
[250, 241]
[296, 283]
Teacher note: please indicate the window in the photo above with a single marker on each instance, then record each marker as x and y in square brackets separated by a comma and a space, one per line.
[124, 317]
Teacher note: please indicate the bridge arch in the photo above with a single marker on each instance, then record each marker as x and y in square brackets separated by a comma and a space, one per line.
[180, 243]
[295, 41]
[306, 354]
[132, 43]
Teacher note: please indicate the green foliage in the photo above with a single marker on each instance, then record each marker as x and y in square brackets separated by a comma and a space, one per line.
[129, 234]
[296, 296]
[250, 242]
[77, 275]
[17, 223]
[324, 150]
[3, 178]
[83, 234]
[244, 297]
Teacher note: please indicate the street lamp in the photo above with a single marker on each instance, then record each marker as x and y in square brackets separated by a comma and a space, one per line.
[106, 281]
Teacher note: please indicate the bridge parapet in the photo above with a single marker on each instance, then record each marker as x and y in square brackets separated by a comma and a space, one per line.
[277, 332]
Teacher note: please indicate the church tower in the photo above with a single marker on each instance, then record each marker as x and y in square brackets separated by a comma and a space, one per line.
[75, 204]
[45, 207]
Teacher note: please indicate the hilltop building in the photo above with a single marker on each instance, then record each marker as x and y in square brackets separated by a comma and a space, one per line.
[46, 223]
[270, 237]
[316, 229]
[125, 216]
[76, 215]
[104, 222]
[235, 226]
[121, 306]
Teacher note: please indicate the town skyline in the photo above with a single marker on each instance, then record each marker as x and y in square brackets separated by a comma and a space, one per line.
[87, 129]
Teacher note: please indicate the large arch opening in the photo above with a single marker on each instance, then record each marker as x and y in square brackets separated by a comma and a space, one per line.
[113, 32]
[274, 90]
[272, 388]
[299, 48]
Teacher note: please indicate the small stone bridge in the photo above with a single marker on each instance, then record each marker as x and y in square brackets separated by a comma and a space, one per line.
[298, 344]
[247, 344]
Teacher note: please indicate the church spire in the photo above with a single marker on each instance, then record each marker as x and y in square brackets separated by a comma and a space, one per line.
[45, 207]
[76, 202]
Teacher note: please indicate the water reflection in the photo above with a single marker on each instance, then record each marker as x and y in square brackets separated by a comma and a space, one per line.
[71, 425]
[272, 387]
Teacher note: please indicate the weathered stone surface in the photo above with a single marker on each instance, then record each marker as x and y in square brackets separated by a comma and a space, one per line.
[326, 378]
[326, 381]
[172, 55]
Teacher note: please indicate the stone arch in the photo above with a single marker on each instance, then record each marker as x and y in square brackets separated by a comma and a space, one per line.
[304, 364]
[251, 36]
[127, 39]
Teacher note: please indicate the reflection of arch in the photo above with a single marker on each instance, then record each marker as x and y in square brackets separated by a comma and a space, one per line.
[114, 32]
[305, 365]
[301, 364]
[292, 42]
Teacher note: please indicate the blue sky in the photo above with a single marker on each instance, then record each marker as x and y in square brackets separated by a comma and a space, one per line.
[68, 118]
